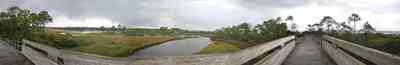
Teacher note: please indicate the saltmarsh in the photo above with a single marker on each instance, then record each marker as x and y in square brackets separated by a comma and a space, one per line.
[219, 47]
[115, 45]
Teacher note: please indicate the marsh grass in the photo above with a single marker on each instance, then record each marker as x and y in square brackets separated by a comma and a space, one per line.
[115, 45]
[219, 47]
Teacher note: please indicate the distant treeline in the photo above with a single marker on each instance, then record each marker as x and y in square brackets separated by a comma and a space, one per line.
[366, 35]
[90, 28]
[76, 28]
[260, 33]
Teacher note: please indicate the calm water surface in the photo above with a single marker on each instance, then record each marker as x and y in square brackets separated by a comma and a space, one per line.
[181, 47]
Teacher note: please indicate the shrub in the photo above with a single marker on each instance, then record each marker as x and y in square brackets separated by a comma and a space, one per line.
[69, 43]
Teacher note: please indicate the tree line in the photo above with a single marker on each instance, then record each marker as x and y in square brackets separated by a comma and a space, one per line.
[365, 34]
[266, 31]
[347, 30]
[329, 25]
[118, 28]
[17, 23]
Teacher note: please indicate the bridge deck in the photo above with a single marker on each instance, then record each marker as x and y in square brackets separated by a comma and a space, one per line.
[308, 52]
[11, 56]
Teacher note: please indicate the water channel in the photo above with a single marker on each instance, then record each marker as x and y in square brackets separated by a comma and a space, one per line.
[181, 47]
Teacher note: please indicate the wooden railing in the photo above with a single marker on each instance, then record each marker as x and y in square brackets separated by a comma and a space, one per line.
[278, 57]
[41, 54]
[347, 53]
[234, 58]
[45, 55]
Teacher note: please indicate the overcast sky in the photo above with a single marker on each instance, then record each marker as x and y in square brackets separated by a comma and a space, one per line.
[209, 14]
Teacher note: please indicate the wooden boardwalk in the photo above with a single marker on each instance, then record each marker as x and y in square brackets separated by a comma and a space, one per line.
[308, 52]
[11, 56]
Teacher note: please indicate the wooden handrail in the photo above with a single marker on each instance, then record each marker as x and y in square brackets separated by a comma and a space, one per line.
[233, 58]
[372, 55]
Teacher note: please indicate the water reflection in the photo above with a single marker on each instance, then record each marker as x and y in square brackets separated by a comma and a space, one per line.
[176, 48]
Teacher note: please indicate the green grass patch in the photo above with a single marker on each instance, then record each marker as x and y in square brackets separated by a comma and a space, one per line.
[105, 43]
[115, 45]
[56, 39]
[219, 47]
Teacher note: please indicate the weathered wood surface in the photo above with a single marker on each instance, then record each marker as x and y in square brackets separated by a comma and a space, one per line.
[339, 56]
[372, 55]
[308, 52]
[245, 55]
[11, 56]
[280, 56]
[48, 57]
[233, 58]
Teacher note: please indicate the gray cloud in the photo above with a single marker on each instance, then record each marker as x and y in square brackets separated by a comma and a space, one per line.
[182, 13]
[190, 14]
[274, 3]
[137, 12]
